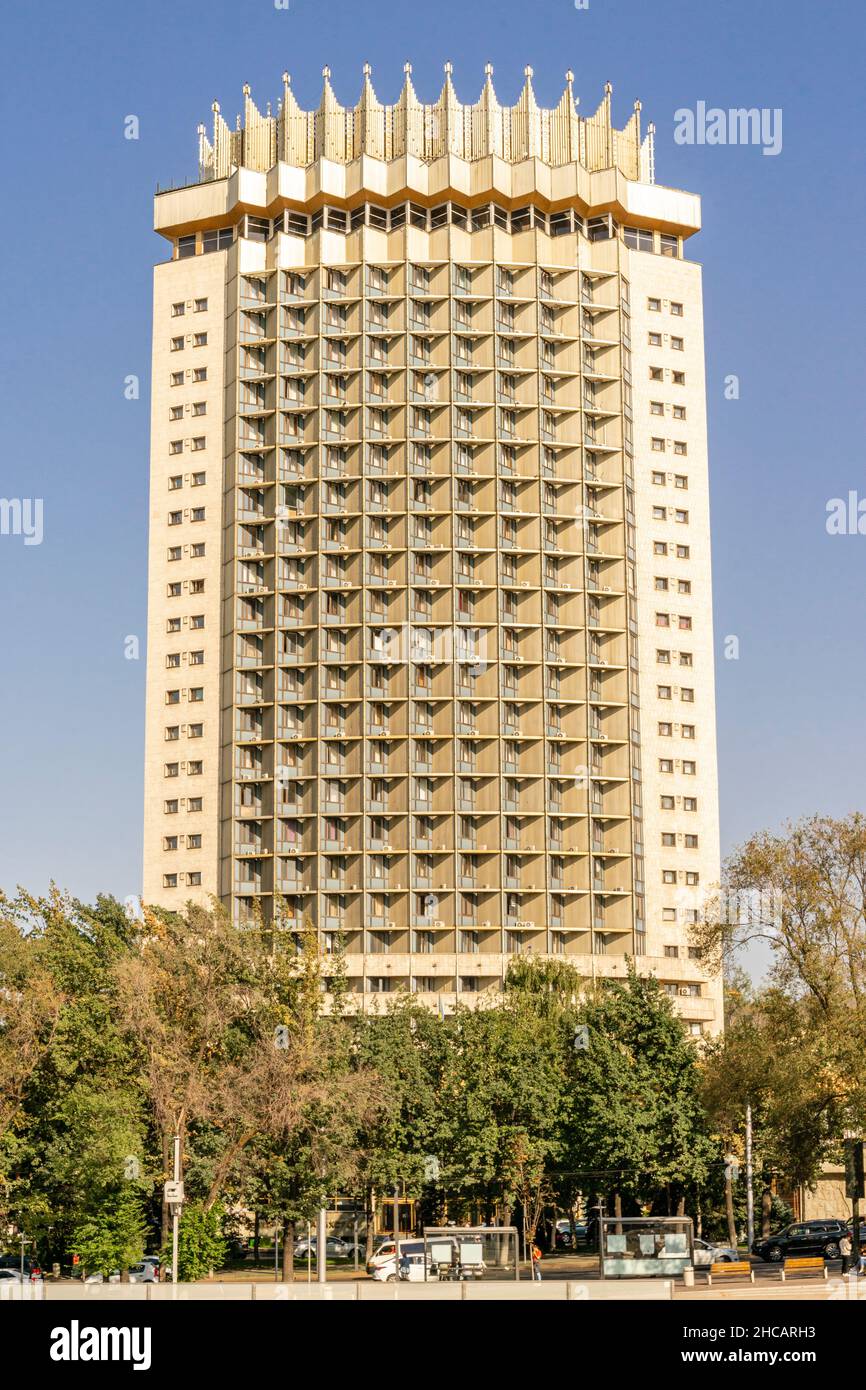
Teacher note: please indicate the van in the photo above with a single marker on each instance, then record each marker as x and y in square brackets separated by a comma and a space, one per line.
[381, 1264]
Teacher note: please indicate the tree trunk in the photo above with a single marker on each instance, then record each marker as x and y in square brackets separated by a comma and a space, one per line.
[681, 1207]
[729, 1209]
[288, 1251]
[617, 1210]
[166, 1215]
[766, 1207]
[256, 1241]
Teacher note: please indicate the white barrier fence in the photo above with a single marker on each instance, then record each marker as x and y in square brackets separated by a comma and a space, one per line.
[348, 1291]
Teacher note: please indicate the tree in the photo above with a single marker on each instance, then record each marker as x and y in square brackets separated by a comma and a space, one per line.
[638, 1127]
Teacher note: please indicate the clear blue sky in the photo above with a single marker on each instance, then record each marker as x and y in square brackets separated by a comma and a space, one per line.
[783, 256]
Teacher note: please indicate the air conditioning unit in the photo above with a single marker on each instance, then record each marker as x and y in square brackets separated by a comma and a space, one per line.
[392, 926]
[438, 924]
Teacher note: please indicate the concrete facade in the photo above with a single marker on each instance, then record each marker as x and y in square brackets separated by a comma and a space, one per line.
[446, 654]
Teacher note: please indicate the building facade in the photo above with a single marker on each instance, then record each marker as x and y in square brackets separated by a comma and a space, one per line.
[430, 657]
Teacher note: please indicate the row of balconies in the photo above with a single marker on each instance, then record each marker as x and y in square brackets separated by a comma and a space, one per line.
[266, 350]
[305, 386]
[479, 424]
[299, 574]
[442, 495]
[472, 461]
[428, 282]
[394, 719]
[431, 689]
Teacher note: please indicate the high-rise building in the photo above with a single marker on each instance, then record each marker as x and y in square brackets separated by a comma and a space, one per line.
[430, 657]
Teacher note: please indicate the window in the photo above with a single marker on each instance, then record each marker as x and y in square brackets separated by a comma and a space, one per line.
[172, 769]
[198, 443]
[199, 374]
[200, 306]
[682, 517]
[194, 803]
[689, 768]
[669, 245]
[679, 412]
[667, 803]
[681, 481]
[687, 731]
[196, 658]
[199, 408]
[654, 306]
[680, 446]
[663, 692]
[174, 590]
[196, 586]
[172, 659]
[194, 880]
[178, 309]
[658, 446]
[173, 625]
[690, 803]
[660, 547]
[638, 238]
[176, 446]
[175, 482]
[193, 841]
[669, 839]
[175, 552]
[198, 479]
[677, 344]
[665, 730]
[199, 340]
[195, 730]
[197, 514]
[663, 619]
[684, 586]
[175, 412]
[169, 880]
[663, 657]
[676, 309]
[661, 583]
[170, 808]
[690, 841]
[669, 876]
[177, 344]
[678, 378]
[666, 765]
[654, 339]
[672, 952]
[197, 551]
[660, 513]
[175, 518]
[196, 694]
[176, 379]
[685, 658]
[194, 769]
[197, 620]
[657, 408]
[683, 552]
[172, 733]
[656, 374]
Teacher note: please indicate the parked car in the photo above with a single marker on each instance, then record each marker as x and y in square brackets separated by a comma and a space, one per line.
[564, 1235]
[143, 1273]
[802, 1238]
[12, 1276]
[31, 1268]
[335, 1248]
[412, 1268]
[706, 1253]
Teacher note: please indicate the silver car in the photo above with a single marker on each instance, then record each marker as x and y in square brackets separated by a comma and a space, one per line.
[706, 1253]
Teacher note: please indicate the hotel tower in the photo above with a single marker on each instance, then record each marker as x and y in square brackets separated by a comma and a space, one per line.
[430, 651]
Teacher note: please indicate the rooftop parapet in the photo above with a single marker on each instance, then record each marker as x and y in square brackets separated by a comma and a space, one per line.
[341, 134]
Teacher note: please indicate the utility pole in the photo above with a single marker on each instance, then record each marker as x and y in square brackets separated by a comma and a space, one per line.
[750, 1202]
[322, 1248]
[175, 1210]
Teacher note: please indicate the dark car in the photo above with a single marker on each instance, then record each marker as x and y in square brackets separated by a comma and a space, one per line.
[803, 1238]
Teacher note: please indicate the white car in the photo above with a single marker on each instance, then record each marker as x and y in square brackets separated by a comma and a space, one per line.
[12, 1276]
[705, 1253]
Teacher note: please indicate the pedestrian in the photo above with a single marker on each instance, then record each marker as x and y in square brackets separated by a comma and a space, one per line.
[845, 1249]
[536, 1261]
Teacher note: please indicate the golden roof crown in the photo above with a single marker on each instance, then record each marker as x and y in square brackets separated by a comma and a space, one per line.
[426, 131]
